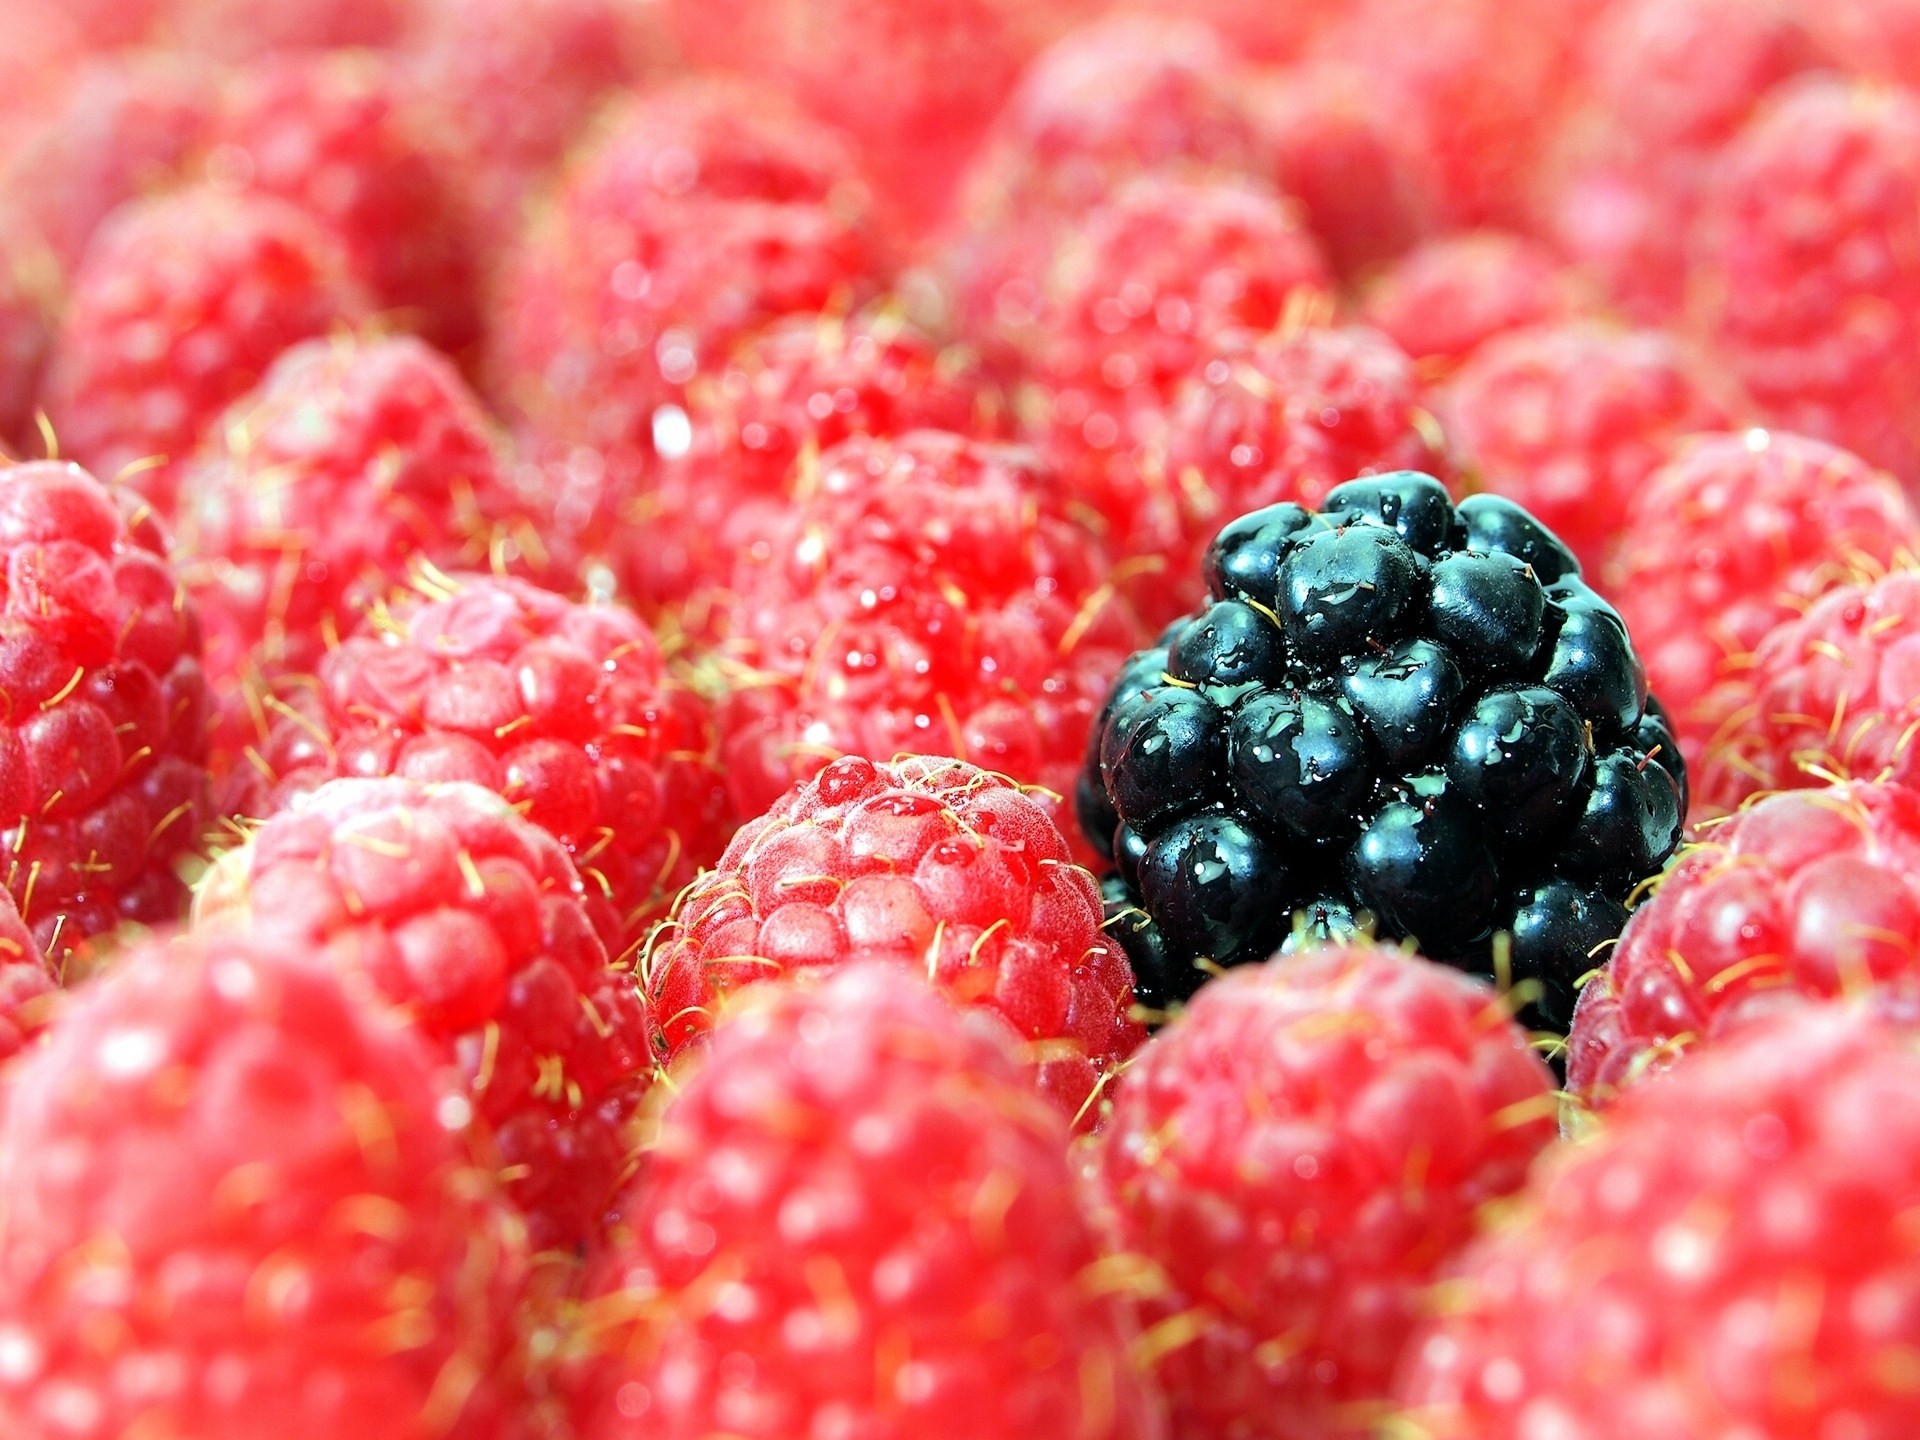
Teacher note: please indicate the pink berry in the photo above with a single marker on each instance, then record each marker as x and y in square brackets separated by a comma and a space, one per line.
[1443, 300]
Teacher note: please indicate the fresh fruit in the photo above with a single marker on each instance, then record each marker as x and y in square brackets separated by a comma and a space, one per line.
[1569, 421]
[1808, 264]
[27, 982]
[752, 430]
[900, 1249]
[1809, 894]
[566, 709]
[1727, 1256]
[179, 307]
[933, 864]
[1393, 716]
[1443, 300]
[475, 923]
[341, 136]
[1295, 1157]
[1285, 415]
[1735, 535]
[929, 595]
[103, 755]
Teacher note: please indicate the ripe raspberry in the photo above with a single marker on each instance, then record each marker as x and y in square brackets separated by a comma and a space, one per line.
[313, 495]
[1829, 694]
[789, 392]
[1282, 416]
[475, 923]
[1448, 297]
[565, 709]
[932, 864]
[125, 128]
[1876, 38]
[1809, 263]
[103, 756]
[341, 136]
[901, 1249]
[27, 982]
[1813, 893]
[234, 1208]
[1569, 421]
[1727, 1257]
[252, 29]
[1737, 534]
[929, 596]
[179, 307]
[1295, 1157]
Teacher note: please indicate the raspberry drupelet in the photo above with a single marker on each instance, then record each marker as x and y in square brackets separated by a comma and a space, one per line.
[1807, 263]
[1736, 1223]
[902, 1254]
[475, 923]
[1444, 299]
[27, 982]
[179, 307]
[103, 753]
[1570, 420]
[1813, 893]
[1294, 1158]
[1738, 533]
[239, 1202]
[934, 865]
[929, 595]
[566, 709]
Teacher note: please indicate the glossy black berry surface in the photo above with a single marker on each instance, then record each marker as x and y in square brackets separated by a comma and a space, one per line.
[1397, 715]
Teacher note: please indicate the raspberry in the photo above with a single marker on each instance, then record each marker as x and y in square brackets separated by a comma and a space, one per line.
[125, 128]
[1294, 1157]
[475, 923]
[1136, 299]
[1365, 196]
[27, 982]
[103, 756]
[933, 864]
[1569, 420]
[1813, 893]
[252, 29]
[902, 1254]
[799, 387]
[311, 498]
[1737, 534]
[1445, 299]
[1809, 259]
[1269, 34]
[565, 709]
[29, 285]
[179, 307]
[931, 596]
[341, 136]
[1877, 38]
[1661, 1281]
[1828, 695]
[233, 1202]
[1282, 416]
[1395, 715]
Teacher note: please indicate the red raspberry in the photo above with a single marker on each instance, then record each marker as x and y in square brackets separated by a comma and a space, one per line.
[27, 983]
[475, 923]
[1735, 535]
[933, 864]
[1877, 38]
[250, 29]
[342, 137]
[1448, 297]
[1813, 893]
[1570, 420]
[1271, 34]
[125, 128]
[1809, 261]
[29, 290]
[1367, 197]
[930, 596]
[1727, 1257]
[1293, 1159]
[565, 709]
[236, 1199]
[103, 753]
[311, 498]
[179, 307]
[1829, 694]
[895, 1220]
[787, 393]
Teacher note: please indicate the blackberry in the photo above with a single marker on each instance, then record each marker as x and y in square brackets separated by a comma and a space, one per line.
[1397, 715]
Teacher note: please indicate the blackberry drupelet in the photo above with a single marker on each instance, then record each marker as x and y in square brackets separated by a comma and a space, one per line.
[1397, 715]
